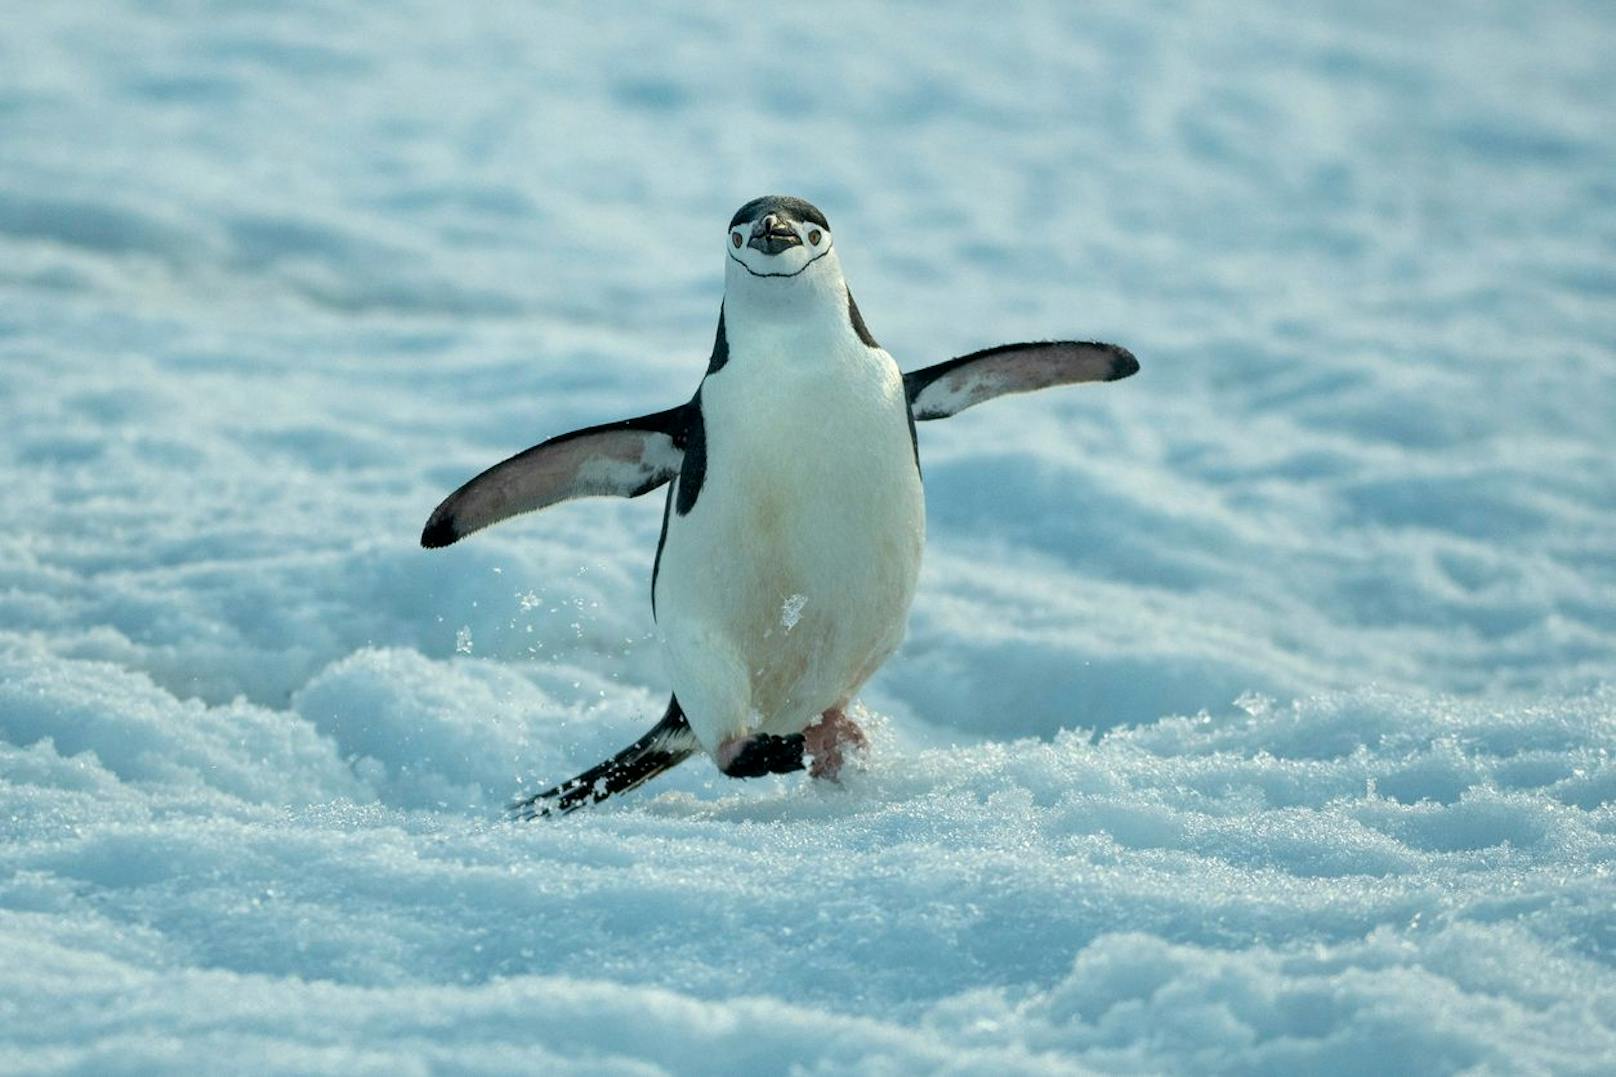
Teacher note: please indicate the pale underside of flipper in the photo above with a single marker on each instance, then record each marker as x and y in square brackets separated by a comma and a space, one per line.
[621, 459]
[936, 392]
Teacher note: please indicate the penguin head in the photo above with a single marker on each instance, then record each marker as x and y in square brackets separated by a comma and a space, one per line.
[780, 247]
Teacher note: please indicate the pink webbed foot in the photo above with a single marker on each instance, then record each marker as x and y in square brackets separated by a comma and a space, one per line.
[829, 740]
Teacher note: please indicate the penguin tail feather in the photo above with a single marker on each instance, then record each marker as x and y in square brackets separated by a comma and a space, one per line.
[667, 744]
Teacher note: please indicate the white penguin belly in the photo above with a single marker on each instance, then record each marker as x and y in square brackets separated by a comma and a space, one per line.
[788, 583]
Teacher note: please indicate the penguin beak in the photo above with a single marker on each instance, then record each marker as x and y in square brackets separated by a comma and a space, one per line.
[773, 234]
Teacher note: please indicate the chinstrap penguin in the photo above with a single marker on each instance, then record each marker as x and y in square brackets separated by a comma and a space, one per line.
[795, 517]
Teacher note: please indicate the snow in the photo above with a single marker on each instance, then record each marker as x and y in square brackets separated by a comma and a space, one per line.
[1257, 711]
[791, 611]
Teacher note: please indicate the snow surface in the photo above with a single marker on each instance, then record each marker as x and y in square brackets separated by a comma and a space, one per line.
[275, 278]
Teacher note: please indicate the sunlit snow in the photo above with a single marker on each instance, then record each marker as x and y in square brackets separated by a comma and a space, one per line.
[1256, 713]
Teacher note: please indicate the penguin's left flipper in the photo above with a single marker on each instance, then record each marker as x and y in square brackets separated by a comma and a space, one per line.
[624, 459]
[936, 392]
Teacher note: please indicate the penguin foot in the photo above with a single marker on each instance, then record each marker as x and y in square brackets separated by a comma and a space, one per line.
[828, 739]
[759, 754]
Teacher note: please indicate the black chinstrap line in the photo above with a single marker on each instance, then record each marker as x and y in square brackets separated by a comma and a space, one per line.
[799, 272]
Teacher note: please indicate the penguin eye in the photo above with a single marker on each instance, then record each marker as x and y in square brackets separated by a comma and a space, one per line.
[814, 236]
[734, 239]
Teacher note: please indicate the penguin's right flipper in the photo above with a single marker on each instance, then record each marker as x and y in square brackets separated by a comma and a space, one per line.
[936, 392]
[625, 459]
[669, 743]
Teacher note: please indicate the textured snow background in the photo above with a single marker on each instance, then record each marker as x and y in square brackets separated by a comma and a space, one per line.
[275, 278]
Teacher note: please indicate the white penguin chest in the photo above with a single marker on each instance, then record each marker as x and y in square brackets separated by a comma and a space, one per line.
[801, 553]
